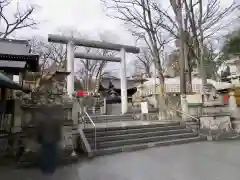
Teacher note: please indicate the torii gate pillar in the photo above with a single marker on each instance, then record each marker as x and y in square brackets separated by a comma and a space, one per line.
[123, 74]
[70, 68]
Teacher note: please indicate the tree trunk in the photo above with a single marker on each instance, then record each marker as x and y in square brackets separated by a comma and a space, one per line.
[182, 40]
[188, 73]
[201, 47]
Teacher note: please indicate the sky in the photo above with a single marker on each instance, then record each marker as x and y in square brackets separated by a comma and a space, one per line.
[86, 16]
[83, 15]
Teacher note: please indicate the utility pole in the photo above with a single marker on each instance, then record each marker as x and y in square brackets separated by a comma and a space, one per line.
[203, 74]
[87, 75]
[182, 57]
[182, 63]
[188, 74]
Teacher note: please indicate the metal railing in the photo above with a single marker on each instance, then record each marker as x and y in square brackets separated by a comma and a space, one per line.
[189, 116]
[170, 113]
[95, 129]
[186, 114]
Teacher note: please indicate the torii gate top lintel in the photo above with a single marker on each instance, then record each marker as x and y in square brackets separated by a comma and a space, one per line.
[91, 43]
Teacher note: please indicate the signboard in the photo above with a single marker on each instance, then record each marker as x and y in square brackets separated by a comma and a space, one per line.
[144, 107]
[194, 99]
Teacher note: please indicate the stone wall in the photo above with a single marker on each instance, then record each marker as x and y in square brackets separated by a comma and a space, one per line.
[216, 122]
[213, 116]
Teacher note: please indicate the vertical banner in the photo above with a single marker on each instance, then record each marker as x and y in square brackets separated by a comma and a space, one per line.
[144, 107]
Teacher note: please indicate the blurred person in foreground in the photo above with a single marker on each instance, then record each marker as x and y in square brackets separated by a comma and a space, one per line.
[49, 128]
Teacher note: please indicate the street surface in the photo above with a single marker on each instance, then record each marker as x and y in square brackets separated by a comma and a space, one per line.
[195, 161]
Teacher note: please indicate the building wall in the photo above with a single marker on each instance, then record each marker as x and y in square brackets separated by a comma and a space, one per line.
[234, 69]
[234, 65]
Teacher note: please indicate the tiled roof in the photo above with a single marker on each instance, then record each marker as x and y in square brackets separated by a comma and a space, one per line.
[117, 83]
[14, 47]
[31, 60]
[19, 50]
[13, 64]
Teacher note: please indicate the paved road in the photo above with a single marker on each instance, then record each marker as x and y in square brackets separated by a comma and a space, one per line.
[196, 161]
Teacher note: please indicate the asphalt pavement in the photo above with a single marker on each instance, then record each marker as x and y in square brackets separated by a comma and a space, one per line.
[194, 161]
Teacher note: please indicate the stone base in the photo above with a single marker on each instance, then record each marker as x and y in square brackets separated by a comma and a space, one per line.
[216, 109]
[217, 135]
[209, 138]
[216, 122]
[236, 125]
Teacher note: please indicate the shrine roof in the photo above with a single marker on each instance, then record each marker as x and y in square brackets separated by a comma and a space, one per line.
[106, 82]
[12, 66]
[32, 61]
[62, 73]
[15, 47]
[15, 64]
[18, 50]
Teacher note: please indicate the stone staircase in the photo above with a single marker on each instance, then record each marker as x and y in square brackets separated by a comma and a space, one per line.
[135, 137]
[109, 118]
[92, 111]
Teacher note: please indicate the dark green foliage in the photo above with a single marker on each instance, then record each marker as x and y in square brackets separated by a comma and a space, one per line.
[232, 44]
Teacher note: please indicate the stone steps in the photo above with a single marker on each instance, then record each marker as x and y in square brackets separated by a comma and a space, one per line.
[109, 118]
[136, 147]
[129, 138]
[113, 131]
[137, 135]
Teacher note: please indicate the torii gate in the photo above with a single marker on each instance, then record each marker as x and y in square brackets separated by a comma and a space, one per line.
[70, 41]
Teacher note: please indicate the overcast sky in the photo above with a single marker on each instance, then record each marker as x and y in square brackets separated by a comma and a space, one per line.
[86, 16]
[83, 15]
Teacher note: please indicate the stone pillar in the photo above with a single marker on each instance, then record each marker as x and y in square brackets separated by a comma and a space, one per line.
[232, 103]
[70, 68]
[104, 106]
[17, 119]
[76, 110]
[124, 101]
[154, 86]
[184, 105]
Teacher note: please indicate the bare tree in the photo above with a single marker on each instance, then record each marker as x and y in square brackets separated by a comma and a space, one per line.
[144, 62]
[200, 22]
[92, 69]
[144, 24]
[212, 61]
[172, 64]
[204, 24]
[52, 57]
[90, 72]
[22, 18]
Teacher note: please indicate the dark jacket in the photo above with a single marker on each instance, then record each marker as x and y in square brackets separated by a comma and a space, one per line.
[49, 124]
